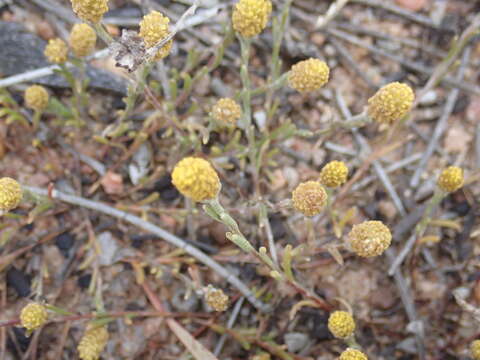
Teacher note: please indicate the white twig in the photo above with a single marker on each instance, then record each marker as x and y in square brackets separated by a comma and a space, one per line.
[165, 235]
[332, 12]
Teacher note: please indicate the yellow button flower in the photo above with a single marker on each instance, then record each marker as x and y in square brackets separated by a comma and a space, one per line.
[93, 342]
[309, 198]
[334, 174]
[341, 324]
[153, 29]
[308, 75]
[352, 354]
[90, 10]
[451, 179]
[33, 316]
[56, 51]
[195, 178]
[475, 349]
[226, 111]
[250, 17]
[10, 194]
[36, 97]
[391, 103]
[82, 39]
[216, 298]
[370, 238]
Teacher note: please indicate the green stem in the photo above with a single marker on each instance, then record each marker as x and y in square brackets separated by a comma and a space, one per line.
[37, 114]
[102, 33]
[432, 204]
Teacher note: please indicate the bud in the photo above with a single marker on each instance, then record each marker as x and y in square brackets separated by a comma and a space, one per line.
[250, 17]
[36, 97]
[93, 342]
[226, 111]
[352, 354]
[308, 75]
[451, 179]
[10, 194]
[33, 316]
[341, 324]
[153, 29]
[90, 10]
[56, 51]
[82, 40]
[391, 103]
[334, 174]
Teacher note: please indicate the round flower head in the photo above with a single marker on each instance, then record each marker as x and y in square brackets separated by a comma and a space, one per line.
[352, 354]
[334, 174]
[309, 198]
[250, 17]
[308, 75]
[82, 39]
[216, 298]
[370, 238]
[153, 29]
[10, 194]
[36, 97]
[93, 342]
[391, 103]
[451, 179]
[226, 111]
[341, 324]
[475, 349]
[90, 10]
[56, 51]
[195, 178]
[33, 316]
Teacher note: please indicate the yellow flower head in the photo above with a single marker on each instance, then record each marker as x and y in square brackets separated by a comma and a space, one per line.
[153, 29]
[309, 198]
[308, 75]
[341, 324]
[226, 111]
[82, 39]
[334, 174]
[56, 51]
[90, 10]
[195, 178]
[10, 194]
[352, 354]
[370, 238]
[216, 298]
[33, 316]
[262, 356]
[93, 342]
[250, 17]
[475, 349]
[391, 103]
[451, 179]
[36, 97]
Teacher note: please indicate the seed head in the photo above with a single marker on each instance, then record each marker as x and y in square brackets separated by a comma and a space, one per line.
[475, 349]
[370, 238]
[56, 51]
[352, 354]
[36, 97]
[334, 174]
[308, 75]
[82, 39]
[250, 17]
[216, 298]
[153, 29]
[451, 179]
[93, 342]
[226, 111]
[195, 178]
[341, 324]
[90, 10]
[33, 316]
[391, 103]
[309, 198]
[10, 194]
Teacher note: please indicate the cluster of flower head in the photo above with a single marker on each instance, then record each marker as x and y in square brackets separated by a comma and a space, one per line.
[90, 10]
[370, 238]
[153, 29]
[36, 97]
[10, 194]
[341, 324]
[195, 178]
[82, 39]
[352, 354]
[308, 75]
[216, 298]
[475, 349]
[93, 342]
[226, 111]
[334, 174]
[451, 179]
[56, 51]
[391, 103]
[250, 17]
[33, 316]
[309, 198]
